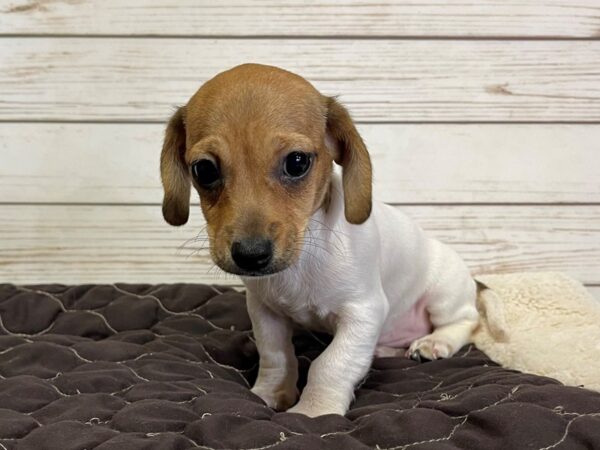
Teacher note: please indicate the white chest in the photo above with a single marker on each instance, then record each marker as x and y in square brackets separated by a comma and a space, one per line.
[301, 297]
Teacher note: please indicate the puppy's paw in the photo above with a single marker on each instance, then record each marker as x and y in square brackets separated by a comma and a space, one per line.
[429, 347]
[279, 400]
[313, 410]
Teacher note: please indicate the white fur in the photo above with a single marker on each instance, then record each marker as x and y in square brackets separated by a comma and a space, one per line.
[358, 282]
[543, 323]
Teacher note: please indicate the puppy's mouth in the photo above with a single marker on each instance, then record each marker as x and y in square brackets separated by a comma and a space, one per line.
[271, 269]
[253, 273]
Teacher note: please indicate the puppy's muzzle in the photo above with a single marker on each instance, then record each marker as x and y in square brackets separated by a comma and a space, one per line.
[252, 254]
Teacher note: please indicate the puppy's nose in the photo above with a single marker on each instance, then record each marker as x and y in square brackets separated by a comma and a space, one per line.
[252, 253]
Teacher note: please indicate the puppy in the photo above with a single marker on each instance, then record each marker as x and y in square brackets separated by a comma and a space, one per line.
[258, 143]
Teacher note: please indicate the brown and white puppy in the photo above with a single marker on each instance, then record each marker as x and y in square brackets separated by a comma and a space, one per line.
[258, 143]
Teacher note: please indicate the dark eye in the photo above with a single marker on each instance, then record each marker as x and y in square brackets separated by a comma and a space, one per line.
[297, 164]
[206, 173]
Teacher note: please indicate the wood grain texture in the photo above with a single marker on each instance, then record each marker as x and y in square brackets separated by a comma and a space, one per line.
[108, 163]
[77, 244]
[379, 80]
[515, 18]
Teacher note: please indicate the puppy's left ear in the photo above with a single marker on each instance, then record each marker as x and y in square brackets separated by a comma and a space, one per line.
[350, 152]
[174, 172]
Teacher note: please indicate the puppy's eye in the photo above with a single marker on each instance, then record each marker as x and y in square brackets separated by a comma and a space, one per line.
[297, 164]
[206, 173]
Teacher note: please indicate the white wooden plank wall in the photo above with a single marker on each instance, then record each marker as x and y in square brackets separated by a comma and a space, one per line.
[381, 80]
[482, 118]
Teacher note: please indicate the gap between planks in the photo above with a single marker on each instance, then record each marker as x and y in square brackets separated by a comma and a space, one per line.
[291, 37]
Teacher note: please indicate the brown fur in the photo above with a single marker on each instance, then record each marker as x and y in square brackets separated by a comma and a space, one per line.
[353, 156]
[248, 119]
[174, 172]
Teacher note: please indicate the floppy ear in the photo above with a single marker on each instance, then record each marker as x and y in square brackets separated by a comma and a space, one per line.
[351, 153]
[174, 173]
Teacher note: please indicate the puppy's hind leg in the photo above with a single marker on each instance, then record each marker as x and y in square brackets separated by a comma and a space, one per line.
[444, 342]
[454, 317]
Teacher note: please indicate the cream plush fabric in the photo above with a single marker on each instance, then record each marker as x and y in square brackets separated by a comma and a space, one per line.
[542, 323]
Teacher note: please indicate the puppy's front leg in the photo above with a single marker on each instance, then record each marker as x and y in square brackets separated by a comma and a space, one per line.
[334, 374]
[278, 366]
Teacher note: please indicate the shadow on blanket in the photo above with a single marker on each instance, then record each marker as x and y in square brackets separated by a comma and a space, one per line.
[168, 367]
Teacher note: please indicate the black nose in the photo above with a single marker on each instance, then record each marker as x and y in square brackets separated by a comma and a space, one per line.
[252, 253]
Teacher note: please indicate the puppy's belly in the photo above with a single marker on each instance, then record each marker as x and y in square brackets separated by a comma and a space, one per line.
[401, 330]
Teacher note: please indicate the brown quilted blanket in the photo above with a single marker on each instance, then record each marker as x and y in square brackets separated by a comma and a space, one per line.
[168, 367]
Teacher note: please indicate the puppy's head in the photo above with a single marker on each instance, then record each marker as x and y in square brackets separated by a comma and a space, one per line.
[257, 143]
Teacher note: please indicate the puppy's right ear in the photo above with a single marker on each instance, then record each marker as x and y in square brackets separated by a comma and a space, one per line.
[174, 172]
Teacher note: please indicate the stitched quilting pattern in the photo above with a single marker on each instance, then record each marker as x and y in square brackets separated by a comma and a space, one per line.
[169, 367]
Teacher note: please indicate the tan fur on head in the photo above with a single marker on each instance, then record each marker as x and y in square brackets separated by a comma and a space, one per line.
[247, 120]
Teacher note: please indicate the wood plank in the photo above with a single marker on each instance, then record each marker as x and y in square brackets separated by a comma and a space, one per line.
[76, 244]
[108, 163]
[379, 80]
[595, 291]
[515, 18]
